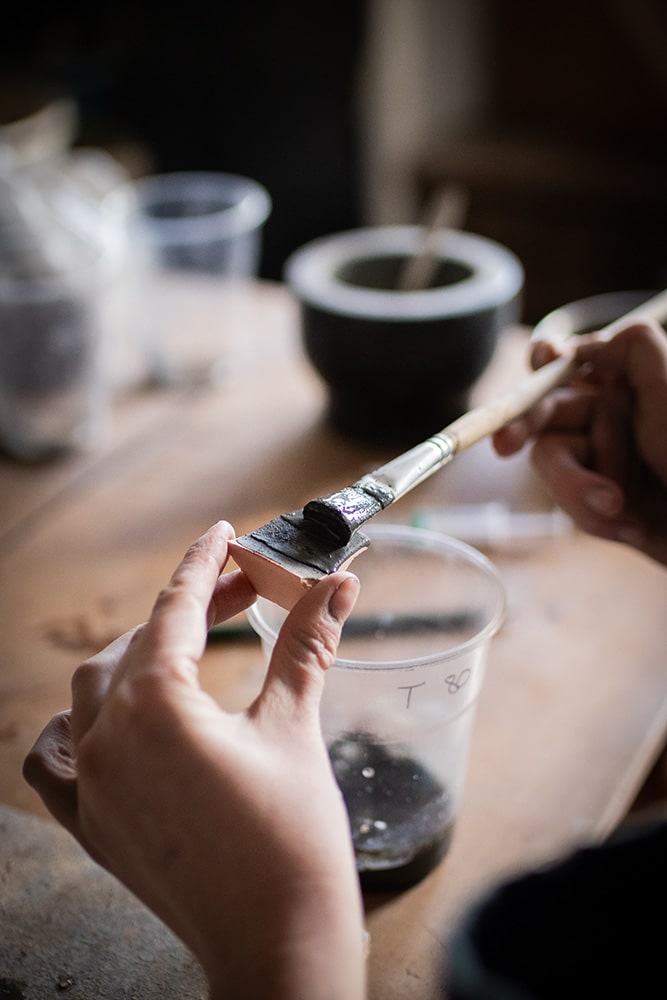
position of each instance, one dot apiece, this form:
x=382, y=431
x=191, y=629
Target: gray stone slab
x=68, y=929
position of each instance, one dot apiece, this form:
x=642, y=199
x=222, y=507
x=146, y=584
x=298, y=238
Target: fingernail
x=344, y=598
x=603, y=501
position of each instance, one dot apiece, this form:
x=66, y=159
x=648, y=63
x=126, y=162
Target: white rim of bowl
x=311, y=272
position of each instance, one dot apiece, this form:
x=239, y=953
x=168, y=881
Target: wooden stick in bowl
x=446, y=211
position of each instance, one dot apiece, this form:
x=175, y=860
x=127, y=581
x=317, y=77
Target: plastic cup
x=399, y=703
x=55, y=390
x=203, y=221
x=191, y=236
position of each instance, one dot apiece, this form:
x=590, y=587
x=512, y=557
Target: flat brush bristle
x=285, y=557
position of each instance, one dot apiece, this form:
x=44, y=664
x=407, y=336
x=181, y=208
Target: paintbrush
x=289, y=554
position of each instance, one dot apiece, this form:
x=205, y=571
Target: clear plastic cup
x=203, y=221
x=194, y=240
x=55, y=391
x=399, y=703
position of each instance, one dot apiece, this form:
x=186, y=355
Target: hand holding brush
x=289, y=554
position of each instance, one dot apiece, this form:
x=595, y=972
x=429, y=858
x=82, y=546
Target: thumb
x=305, y=649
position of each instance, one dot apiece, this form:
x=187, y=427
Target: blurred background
x=551, y=117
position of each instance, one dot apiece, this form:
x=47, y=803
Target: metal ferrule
x=403, y=473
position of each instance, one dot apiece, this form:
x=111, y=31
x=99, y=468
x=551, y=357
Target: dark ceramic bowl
x=399, y=365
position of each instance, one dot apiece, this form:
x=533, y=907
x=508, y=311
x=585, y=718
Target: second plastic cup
x=194, y=244
x=57, y=340
x=199, y=221
x=399, y=703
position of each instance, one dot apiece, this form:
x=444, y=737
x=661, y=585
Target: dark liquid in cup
x=400, y=816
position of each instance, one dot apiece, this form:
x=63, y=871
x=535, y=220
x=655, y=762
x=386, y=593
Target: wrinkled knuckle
x=317, y=647
x=177, y=591
x=166, y=595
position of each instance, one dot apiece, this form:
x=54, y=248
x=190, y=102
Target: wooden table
x=574, y=707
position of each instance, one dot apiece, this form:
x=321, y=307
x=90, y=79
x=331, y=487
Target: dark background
x=256, y=88
x=567, y=165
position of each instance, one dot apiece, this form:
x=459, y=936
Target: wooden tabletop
x=573, y=711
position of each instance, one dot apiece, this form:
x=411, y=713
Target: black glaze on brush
x=337, y=516
x=292, y=536
x=325, y=533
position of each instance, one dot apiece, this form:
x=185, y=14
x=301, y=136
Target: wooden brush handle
x=406, y=471
x=413, y=467
x=490, y=417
